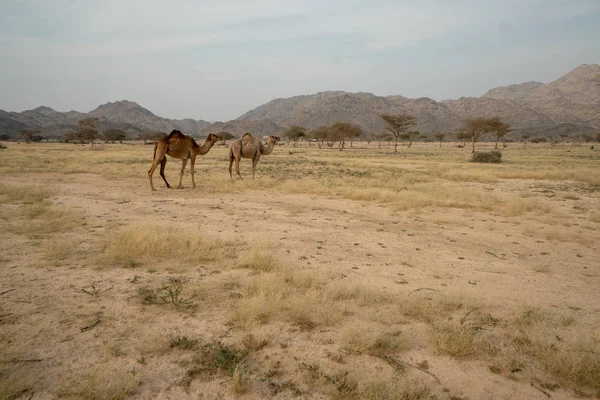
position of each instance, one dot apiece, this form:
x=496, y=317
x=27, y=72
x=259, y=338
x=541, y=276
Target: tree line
x=399, y=128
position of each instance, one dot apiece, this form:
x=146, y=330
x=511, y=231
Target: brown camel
x=178, y=145
x=249, y=147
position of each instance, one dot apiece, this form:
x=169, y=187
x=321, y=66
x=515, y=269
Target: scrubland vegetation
x=360, y=274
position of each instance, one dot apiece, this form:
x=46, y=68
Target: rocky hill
x=568, y=104
x=125, y=115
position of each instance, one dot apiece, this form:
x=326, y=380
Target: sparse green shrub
x=183, y=342
x=493, y=156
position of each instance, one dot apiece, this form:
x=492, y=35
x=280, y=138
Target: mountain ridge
x=571, y=101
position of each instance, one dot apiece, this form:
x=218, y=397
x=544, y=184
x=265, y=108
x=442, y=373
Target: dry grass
x=258, y=258
x=152, y=243
x=28, y=194
x=455, y=340
x=337, y=300
x=28, y=212
x=394, y=390
x=57, y=251
x=376, y=341
x=17, y=379
x=106, y=382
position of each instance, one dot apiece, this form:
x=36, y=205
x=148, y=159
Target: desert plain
x=355, y=274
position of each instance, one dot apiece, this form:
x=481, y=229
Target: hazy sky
x=215, y=60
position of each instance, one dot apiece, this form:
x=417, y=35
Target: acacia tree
x=320, y=135
x=440, y=137
x=382, y=136
x=28, y=134
x=113, y=135
x=340, y=131
x=151, y=137
x=477, y=127
x=294, y=133
x=87, y=130
x=397, y=125
x=563, y=137
x=354, y=134
x=225, y=136
x=409, y=137
x=462, y=136
x=500, y=129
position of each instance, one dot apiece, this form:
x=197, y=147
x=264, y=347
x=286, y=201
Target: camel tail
x=155, y=147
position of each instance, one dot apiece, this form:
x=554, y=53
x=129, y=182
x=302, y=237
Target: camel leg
x=237, y=167
x=254, y=162
x=230, y=164
x=183, y=163
x=158, y=158
x=163, y=163
x=192, y=170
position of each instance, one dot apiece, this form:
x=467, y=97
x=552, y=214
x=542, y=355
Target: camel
x=249, y=147
x=178, y=145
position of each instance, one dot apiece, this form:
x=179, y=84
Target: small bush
x=493, y=156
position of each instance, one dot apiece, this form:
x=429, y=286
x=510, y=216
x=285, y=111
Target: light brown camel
x=178, y=145
x=249, y=147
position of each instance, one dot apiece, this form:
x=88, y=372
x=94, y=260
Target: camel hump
x=247, y=134
x=175, y=134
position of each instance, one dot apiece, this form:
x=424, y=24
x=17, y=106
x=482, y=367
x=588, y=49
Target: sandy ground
x=478, y=255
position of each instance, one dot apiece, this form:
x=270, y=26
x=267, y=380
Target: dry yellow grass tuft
x=257, y=258
x=394, y=390
x=377, y=341
x=57, y=251
x=28, y=194
x=454, y=339
x=105, y=382
x=154, y=243
x=16, y=378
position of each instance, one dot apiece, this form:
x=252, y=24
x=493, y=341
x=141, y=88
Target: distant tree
x=538, y=140
x=525, y=139
x=588, y=138
x=151, y=137
x=368, y=137
x=563, y=137
x=383, y=137
x=354, y=134
x=87, y=131
x=225, y=136
x=28, y=134
x=477, y=127
x=294, y=133
x=499, y=129
x=5, y=138
x=319, y=134
x=598, y=137
x=409, y=137
x=341, y=131
x=440, y=137
x=113, y=135
x=397, y=125
x=462, y=136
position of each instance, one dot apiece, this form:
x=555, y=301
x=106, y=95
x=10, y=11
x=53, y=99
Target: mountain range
x=568, y=105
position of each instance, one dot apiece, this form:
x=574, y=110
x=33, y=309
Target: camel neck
x=268, y=149
x=206, y=146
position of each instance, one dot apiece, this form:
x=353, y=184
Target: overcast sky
x=215, y=60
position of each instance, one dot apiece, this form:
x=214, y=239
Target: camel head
x=212, y=138
x=273, y=139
